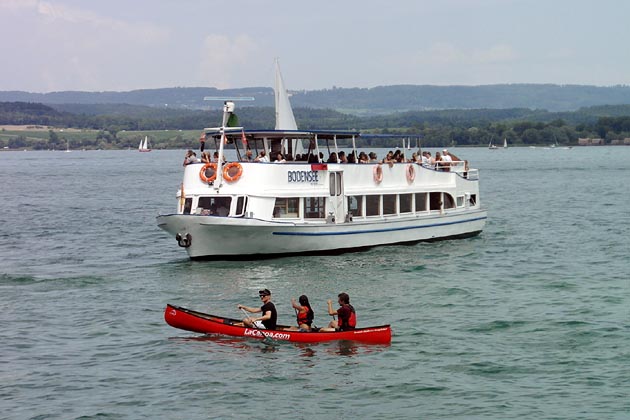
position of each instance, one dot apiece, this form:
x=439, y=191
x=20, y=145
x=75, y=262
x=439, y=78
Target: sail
x=140, y=145
x=505, y=143
x=284, y=113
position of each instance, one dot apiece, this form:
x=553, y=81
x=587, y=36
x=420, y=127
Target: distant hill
x=358, y=101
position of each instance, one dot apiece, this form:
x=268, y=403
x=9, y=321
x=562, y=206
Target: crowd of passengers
x=439, y=161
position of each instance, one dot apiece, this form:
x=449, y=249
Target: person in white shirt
x=262, y=157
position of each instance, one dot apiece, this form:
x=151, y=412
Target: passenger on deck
x=262, y=157
x=363, y=158
x=190, y=157
x=426, y=159
x=304, y=313
x=389, y=159
x=342, y=157
x=248, y=155
x=373, y=157
x=279, y=158
x=332, y=158
x=446, y=161
x=438, y=161
x=205, y=157
x=352, y=158
x=268, y=309
x=346, y=314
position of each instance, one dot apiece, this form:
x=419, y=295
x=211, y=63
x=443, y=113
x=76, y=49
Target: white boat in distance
x=144, y=145
x=250, y=209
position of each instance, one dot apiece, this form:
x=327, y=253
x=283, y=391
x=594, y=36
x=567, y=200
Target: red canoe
x=190, y=320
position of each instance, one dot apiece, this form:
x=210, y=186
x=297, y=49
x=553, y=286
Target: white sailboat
x=144, y=145
x=492, y=146
x=505, y=143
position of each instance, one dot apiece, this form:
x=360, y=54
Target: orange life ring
x=410, y=171
x=203, y=175
x=378, y=173
x=229, y=173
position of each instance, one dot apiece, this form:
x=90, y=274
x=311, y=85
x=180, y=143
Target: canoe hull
x=199, y=322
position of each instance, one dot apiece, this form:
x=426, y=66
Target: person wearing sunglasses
x=268, y=309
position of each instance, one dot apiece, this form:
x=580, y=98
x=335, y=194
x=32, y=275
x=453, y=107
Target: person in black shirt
x=268, y=309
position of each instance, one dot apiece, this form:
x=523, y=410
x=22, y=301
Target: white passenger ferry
x=246, y=209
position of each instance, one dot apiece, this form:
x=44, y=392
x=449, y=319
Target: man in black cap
x=268, y=310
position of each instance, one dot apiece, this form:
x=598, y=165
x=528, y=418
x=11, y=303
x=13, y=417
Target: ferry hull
x=243, y=238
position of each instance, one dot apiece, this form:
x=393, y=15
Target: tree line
x=122, y=126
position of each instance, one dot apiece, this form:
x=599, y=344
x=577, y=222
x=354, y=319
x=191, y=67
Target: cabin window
x=214, y=206
x=449, y=201
x=314, y=208
x=405, y=203
x=421, y=202
x=372, y=205
x=389, y=204
x=241, y=205
x=355, y=205
x=460, y=201
x=187, y=205
x=435, y=201
x=287, y=208
x=473, y=199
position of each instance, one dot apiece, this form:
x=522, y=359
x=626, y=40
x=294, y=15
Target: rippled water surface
x=531, y=319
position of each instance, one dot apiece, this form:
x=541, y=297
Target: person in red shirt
x=347, y=317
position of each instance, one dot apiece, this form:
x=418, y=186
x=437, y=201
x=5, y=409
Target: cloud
x=131, y=31
x=17, y=5
x=494, y=54
x=223, y=58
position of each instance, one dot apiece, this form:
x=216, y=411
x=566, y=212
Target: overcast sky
x=135, y=44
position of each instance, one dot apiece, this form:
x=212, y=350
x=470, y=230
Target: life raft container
x=208, y=172
x=378, y=173
x=410, y=172
x=232, y=171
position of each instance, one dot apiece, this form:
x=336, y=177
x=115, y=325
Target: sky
x=120, y=45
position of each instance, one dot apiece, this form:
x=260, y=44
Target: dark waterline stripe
x=356, y=232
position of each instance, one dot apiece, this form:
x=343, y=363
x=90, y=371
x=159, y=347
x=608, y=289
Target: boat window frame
x=400, y=203
x=287, y=214
x=391, y=210
x=243, y=208
x=321, y=201
x=423, y=208
x=378, y=205
x=448, y=201
x=360, y=208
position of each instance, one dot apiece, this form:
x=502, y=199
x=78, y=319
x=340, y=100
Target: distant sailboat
x=68, y=147
x=144, y=145
x=492, y=146
x=505, y=143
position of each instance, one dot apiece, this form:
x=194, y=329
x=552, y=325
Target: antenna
x=228, y=98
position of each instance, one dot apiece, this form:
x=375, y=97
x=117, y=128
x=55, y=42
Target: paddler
x=268, y=310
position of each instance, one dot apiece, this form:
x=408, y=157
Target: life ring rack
x=378, y=173
x=228, y=171
x=410, y=172
x=204, y=168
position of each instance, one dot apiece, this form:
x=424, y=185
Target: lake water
x=529, y=320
